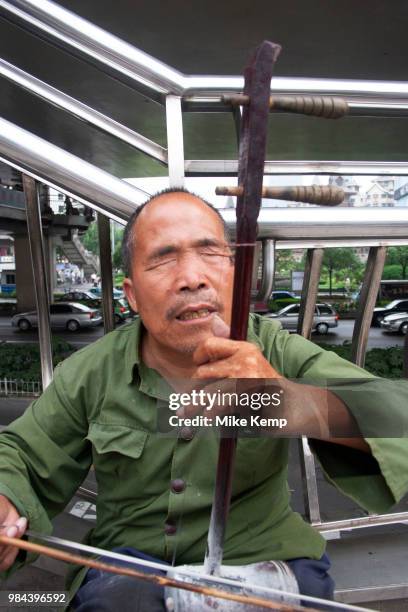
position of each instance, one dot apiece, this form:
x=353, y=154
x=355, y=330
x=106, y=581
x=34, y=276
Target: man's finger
x=220, y=370
x=213, y=349
x=8, y=560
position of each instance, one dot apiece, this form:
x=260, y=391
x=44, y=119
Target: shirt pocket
x=118, y=453
x=112, y=438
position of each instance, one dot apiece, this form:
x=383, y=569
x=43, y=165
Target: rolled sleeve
x=380, y=408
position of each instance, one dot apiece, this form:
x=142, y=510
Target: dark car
x=83, y=297
x=396, y=306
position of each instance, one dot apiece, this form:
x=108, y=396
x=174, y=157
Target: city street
x=343, y=332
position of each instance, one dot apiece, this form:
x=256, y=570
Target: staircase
x=76, y=253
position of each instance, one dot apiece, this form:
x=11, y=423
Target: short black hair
x=128, y=236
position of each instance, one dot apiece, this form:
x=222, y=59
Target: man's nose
x=190, y=275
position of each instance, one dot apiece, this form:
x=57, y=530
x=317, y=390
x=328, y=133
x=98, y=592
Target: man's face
x=182, y=273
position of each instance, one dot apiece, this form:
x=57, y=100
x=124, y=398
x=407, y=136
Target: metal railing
x=156, y=79
x=314, y=229
x=20, y=388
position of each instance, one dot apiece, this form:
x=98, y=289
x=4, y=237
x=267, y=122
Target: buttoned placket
x=179, y=490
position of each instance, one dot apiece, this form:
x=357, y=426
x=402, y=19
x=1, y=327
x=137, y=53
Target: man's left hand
x=222, y=358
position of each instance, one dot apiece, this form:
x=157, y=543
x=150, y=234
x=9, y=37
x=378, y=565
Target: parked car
x=121, y=308
x=70, y=316
x=397, y=322
x=98, y=292
x=83, y=297
x=325, y=317
x=262, y=307
x=396, y=306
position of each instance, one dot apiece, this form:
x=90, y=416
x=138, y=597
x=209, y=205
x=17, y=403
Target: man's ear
x=130, y=294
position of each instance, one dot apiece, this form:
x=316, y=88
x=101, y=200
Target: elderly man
x=155, y=492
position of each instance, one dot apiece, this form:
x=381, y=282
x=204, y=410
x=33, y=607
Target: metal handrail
x=156, y=79
x=230, y=167
x=118, y=199
x=81, y=111
x=68, y=173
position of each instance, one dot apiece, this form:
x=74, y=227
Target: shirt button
x=186, y=433
x=169, y=529
x=178, y=485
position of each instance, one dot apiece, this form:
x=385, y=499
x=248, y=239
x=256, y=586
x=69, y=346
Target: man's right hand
x=13, y=526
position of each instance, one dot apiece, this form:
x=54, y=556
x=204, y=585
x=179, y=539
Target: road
x=78, y=339
x=344, y=331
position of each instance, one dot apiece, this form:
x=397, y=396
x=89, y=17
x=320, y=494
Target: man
x=155, y=492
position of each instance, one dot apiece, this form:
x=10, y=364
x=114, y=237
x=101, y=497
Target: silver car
x=325, y=317
x=65, y=315
x=396, y=322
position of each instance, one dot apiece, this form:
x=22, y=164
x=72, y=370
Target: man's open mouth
x=200, y=313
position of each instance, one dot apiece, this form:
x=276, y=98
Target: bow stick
x=252, y=149
x=163, y=581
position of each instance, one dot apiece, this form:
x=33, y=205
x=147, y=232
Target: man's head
x=179, y=269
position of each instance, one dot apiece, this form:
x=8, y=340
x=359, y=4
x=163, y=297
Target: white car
x=65, y=315
x=396, y=322
x=325, y=317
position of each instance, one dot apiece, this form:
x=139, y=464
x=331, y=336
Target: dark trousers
x=105, y=592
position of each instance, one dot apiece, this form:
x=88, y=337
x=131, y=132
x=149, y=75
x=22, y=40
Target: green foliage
x=392, y=272
x=340, y=263
x=386, y=363
x=340, y=258
x=118, y=280
x=22, y=361
x=91, y=242
x=90, y=238
x=285, y=262
x=398, y=256
x=117, y=256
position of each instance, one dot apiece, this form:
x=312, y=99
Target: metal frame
x=155, y=79
x=105, y=257
x=81, y=111
x=175, y=141
x=368, y=298
x=35, y=236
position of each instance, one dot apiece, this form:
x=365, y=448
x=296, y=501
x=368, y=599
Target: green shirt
x=101, y=409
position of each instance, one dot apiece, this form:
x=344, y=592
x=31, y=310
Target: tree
x=285, y=261
x=340, y=258
x=398, y=255
x=117, y=256
x=90, y=238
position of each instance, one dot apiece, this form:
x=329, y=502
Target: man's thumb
x=220, y=328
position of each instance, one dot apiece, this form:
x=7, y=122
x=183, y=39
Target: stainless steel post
x=368, y=297
x=307, y=306
x=105, y=257
x=35, y=236
x=309, y=291
x=175, y=141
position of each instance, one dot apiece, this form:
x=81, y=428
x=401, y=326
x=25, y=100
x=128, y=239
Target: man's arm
x=44, y=456
x=377, y=406
x=309, y=410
